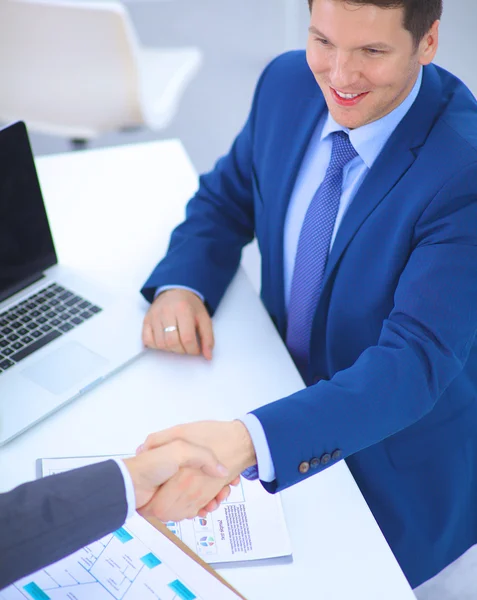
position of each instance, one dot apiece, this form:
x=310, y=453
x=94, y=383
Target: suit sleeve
x=205, y=250
x=45, y=520
x=424, y=345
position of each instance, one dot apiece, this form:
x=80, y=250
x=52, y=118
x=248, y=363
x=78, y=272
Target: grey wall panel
x=458, y=44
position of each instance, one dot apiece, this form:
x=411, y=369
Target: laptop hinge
x=21, y=285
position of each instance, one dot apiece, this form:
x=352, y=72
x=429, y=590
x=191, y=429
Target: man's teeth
x=347, y=96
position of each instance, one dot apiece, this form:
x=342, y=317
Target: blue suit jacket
x=393, y=370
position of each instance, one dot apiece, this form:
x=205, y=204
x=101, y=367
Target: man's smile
x=347, y=99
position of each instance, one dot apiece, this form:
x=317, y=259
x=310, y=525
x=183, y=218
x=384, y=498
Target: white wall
x=458, y=43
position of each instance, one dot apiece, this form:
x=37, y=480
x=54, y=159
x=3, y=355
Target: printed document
x=249, y=525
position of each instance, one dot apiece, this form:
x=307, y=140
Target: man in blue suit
x=357, y=172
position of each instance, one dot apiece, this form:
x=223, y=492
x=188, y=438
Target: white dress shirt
x=128, y=487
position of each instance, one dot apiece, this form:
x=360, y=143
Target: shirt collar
x=369, y=140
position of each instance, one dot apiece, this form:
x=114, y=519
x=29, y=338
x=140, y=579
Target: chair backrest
x=68, y=67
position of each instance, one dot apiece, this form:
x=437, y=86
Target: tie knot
x=343, y=150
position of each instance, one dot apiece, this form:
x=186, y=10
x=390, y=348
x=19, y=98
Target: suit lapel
x=395, y=159
x=297, y=132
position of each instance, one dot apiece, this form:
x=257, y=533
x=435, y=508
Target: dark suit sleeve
x=48, y=519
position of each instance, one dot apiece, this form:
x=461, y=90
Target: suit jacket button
x=304, y=467
x=315, y=463
x=337, y=454
x=325, y=459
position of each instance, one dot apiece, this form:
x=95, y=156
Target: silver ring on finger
x=170, y=329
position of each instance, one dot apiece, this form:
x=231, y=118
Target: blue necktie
x=312, y=252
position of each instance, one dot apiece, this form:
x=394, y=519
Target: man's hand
x=184, y=311
x=188, y=492
x=149, y=470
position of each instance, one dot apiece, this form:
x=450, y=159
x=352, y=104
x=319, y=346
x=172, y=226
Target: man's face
x=363, y=52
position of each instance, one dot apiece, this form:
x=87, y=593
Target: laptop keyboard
x=38, y=320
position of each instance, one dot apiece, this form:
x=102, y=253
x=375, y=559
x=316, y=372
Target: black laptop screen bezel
x=28, y=249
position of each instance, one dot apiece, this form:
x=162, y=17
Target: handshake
x=187, y=470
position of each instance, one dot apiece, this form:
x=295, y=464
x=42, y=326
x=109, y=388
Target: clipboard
x=159, y=525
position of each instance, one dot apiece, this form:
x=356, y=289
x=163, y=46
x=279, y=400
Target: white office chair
x=74, y=68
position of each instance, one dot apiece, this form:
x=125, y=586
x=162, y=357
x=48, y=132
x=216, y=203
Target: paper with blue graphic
x=135, y=562
x=249, y=525
x=138, y=562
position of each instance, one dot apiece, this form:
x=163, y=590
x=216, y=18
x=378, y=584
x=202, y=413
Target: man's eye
x=322, y=41
x=373, y=51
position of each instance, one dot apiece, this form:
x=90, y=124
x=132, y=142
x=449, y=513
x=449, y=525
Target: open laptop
x=59, y=334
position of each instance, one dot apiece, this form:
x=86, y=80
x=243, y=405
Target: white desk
x=111, y=212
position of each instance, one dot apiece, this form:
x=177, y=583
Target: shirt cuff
x=177, y=287
x=129, y=488
x=266, y=468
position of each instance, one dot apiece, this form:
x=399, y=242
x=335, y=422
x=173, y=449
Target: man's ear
x=429, y=44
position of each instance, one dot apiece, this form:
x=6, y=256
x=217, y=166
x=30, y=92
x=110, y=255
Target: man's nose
x=344, y=71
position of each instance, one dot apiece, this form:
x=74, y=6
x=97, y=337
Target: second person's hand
x=151, y=469
x=190, y=493
x=178, y=321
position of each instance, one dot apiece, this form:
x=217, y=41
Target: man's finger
x=213, y=505
x=223, y=495
x=147, y=336
x=171, y=333
x=206, y=334
x=158, y=335
x=198, y=457
x=185, y=454
x=159, y=438
x=182, y=496
x=216, y=502
x=188, y=333
x=154, y=320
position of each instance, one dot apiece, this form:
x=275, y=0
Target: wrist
x=141, y=493
x=246, y=451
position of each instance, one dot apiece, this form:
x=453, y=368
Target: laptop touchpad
x=64, y=368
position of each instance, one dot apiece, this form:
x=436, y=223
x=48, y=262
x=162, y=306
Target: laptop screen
x=26, y=245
